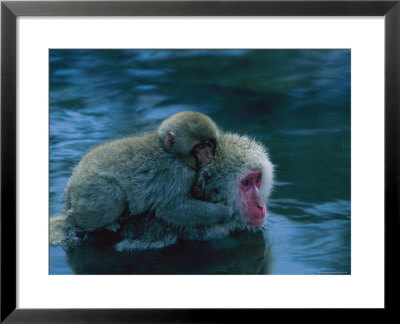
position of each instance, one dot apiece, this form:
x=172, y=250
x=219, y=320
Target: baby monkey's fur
x=143, y=173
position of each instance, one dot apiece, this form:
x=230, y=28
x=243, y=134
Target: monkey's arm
x=192, y=212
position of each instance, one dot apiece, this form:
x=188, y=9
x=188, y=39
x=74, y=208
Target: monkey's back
x=134, y=154
x=134, y=171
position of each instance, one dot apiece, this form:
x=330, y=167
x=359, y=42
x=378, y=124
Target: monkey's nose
x=260, y=203
x=207, y=159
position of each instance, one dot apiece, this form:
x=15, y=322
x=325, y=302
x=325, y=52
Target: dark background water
x=297, y=102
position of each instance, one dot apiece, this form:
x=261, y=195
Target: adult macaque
x=152, y=172
x=241, y=176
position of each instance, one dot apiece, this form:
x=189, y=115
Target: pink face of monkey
x=204, y=152
x=254, y=207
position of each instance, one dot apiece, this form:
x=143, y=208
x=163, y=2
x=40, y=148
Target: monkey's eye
x=210, y=143
x=200, y=146
x=246, y=183
x=257, y=178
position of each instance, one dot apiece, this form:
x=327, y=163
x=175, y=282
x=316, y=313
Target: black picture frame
x=10, y=10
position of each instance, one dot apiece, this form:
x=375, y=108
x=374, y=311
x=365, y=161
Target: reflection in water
x=241, y=253
x=296, y=102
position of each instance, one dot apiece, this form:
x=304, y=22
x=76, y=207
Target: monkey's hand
x=225, y=211
x=192, y=212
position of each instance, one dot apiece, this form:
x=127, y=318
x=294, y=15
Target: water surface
x=296, y=102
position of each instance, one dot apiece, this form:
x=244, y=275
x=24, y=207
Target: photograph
x=199, y=161
x=193, y=161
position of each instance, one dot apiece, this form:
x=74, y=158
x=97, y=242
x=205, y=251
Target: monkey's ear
x=169, y=140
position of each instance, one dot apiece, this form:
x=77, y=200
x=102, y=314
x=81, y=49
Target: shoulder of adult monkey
x=188, y=129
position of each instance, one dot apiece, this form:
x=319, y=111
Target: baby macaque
x=153, y=172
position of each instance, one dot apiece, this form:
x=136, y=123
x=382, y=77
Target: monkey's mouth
x=206, y=161
x=257, y=216
x=256, y=223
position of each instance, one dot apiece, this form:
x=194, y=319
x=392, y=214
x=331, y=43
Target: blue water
x=297, y=102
